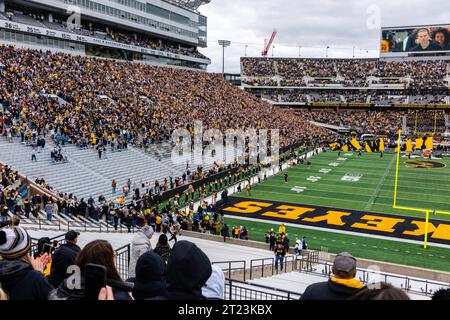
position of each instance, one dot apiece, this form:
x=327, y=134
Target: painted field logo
x=425, y=164
x=352, y=177
x=298, y=189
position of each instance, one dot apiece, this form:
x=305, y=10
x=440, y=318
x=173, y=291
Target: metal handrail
x=262, y=265
x=230, y=269
x=276, y=293
x=84, y=224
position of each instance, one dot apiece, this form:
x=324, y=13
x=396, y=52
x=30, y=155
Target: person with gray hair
x=341, y=286
x=139, y=245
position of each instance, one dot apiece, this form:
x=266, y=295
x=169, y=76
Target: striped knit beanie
x=14, y=243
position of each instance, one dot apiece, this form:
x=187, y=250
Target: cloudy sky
x=308, y=27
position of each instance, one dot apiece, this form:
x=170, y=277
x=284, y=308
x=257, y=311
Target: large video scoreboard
x=433, y=40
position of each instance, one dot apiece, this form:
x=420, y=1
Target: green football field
x=366, y=184
x=363, y=183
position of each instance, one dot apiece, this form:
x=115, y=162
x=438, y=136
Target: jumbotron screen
x=403, y=40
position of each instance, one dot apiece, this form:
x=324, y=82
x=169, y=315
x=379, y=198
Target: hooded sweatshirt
x=215, y=286
x=139, y=245
x=188, y=270
x=21, y=282
x=150, y=279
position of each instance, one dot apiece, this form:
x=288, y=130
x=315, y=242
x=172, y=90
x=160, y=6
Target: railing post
x=262, y=269
x=231, y=286
x=85, y=226
x=245, y=268
x=273, y=261
x=251, y=269
x=59, y=225
x=39, y=219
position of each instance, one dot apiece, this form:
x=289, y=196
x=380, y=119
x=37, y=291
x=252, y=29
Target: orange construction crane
x=267, y=45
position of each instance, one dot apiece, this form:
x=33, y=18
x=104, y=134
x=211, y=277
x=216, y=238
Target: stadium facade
x=154, y=31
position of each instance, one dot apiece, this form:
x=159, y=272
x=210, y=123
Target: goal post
x=406, y=208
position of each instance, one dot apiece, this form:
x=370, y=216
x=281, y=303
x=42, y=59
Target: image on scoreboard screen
x=415, y=39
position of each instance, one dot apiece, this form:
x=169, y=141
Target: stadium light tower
x=224, y=44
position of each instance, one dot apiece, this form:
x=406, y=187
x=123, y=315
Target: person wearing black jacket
x=64, y=257
x=424, y=42
x=150, y=279
x=18, y=278
x=272, y=240
x=280, y=252
x=188, y=269
x=225, y=232
x=341, y=286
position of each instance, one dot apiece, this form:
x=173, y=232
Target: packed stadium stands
x=84, y=82
x=385, y=82
x=89, y=136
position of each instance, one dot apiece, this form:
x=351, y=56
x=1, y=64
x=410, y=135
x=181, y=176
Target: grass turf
x=420, y=188
x=374, y=192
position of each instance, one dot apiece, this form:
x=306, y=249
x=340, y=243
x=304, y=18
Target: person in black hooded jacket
x=188, y=270
x=150, y=279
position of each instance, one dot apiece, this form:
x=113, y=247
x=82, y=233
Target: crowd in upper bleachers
x=348, y=72
x=101, y=32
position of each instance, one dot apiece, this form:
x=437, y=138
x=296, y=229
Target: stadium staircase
x=84, y=175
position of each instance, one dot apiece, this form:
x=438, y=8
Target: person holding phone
x=95, y=260
x=21, y=277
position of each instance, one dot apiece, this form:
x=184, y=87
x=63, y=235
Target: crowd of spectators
x=174, y=99
x=350, y=72
x=368, y=121
x=98, y=31
x=426, y=120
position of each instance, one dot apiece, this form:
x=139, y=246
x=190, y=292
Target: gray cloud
x=341, y=24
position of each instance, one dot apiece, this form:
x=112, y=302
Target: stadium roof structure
x=189, y=4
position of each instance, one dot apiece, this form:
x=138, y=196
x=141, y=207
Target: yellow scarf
x=352, y=283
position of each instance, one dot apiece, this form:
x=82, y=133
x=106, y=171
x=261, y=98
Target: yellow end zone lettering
x=421, y=228
x=378, y=223
x=248, y=207
x=442, y=232
x=332, y=217
x=288, y=212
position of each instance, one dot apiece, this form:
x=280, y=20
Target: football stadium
x=133, y=167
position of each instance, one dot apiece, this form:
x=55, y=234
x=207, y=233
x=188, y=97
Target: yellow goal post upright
x=405, y=208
